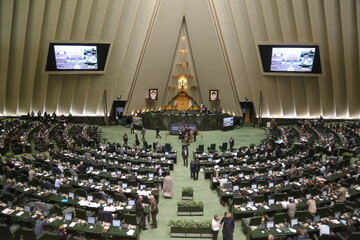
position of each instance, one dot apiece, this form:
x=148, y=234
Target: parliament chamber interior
x=173, y=119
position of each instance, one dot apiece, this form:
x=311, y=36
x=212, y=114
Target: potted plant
x=190, y=207
x=190, y=228
x=187, y=193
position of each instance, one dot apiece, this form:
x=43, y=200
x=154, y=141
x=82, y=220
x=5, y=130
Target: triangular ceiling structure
x=182, y=77
x=155, y=66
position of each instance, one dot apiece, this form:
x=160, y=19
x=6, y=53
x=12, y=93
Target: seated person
x=302, y=235
x=61, y=232
x=323, y=228
x=39, y=226
x=348, y=229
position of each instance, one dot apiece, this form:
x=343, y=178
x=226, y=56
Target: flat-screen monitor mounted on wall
x=228, y=122
x=290, y=59
x=77, y=57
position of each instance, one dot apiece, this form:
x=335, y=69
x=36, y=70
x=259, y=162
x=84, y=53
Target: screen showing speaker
x=290, y=59
x=228, y=122
x=77, y=57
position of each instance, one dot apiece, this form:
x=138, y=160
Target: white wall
x=144, y=34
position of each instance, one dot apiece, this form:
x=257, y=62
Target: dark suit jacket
x=39, y=227
x=139, y=209
x=82, y=169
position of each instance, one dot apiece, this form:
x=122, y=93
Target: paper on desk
x=130, y=232
x=243, y=209
x=19, y=213
x=72, y=224
x=253, y=208
x=278, y=230
x=292, y=230
x=266, y=207
x=311, y=227
x=7, y=211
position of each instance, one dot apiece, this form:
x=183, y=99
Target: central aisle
x=181, y=175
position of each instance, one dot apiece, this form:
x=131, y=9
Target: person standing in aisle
x=125, y=137
x=215, y=226
x=153, y=210
x=157, y=132
x=192, y=169
x=228, y=226
x=197, y=169
x=185, y=155
x=140, y=214
x=143, y=134
x=231, y=143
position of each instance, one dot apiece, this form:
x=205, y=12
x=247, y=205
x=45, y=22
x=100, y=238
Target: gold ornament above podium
x=182, y=92
x=182, y=101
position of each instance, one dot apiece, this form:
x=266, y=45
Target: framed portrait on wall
x=153, y=94
x=214, y=95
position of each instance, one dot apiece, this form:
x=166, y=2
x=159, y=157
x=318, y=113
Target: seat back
x=255, y=221
x=130, y=219
x=354, y=236
x=80, y=213
x=200, y=148
x=259, y=198
x=324, y=212
x=118, y=197
x=133, y=183
x=281, y=218
x=339, y=207
x=105, y=216
x=302, y=216
x=28, y=233
x=80, y=192
x=5, y=232
x=48, y=236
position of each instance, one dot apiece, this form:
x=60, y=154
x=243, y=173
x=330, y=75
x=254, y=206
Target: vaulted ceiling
x=143, y=33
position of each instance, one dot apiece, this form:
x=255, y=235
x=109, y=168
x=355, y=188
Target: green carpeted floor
x=181, y=175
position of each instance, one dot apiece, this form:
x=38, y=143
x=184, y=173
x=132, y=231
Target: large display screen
x=293, y=59
x=76, y=57
x=79, y=57
x=228, y=122
x=137, y=121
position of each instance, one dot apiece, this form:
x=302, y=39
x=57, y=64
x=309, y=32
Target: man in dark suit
x=185, y=155
x=61, y=232
x=139, y=211
x=82, y=168
x=231, y=143
x=228, y=225
x=197, y=169
x=157, y=132
x=143, y=134
x=153, y=210
x=39, y=226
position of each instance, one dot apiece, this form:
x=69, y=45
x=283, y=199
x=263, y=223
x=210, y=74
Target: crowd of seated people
x=47, y=116
x=86, y=173
x=286, y=177
x=103, y=180
x=204, y=111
